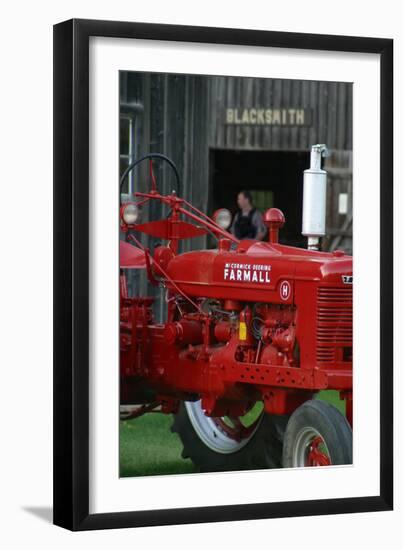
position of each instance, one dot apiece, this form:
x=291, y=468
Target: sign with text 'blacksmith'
x=268, y=117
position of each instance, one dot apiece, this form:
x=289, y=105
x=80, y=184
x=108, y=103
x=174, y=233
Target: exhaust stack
x=314, y=200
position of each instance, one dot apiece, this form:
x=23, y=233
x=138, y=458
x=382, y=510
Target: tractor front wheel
x=317, y=434
x=227, y=443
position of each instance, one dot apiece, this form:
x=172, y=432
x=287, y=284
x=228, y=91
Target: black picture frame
x=71, y=274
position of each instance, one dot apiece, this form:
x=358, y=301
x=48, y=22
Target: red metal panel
x=131, y=257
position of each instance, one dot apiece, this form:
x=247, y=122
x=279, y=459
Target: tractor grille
x=334, y=329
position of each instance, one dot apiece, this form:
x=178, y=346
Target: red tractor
x=253, y=331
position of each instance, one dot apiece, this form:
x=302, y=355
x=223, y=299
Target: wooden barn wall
x=184, y=116
x=339, y=226
x=174, y=122
x=330, y=104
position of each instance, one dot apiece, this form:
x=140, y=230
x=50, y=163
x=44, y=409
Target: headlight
x=130, y=213
x=223, y=218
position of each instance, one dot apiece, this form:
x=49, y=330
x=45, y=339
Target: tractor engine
x=261, y=333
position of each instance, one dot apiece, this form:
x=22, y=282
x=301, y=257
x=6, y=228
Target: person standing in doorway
x=248, y=221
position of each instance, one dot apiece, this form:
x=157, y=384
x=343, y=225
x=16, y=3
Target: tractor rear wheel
x=317, y=434
x=224, y=444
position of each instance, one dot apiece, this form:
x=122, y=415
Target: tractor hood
x=256, y=267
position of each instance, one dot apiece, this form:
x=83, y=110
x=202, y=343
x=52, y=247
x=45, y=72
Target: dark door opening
x=274, y=178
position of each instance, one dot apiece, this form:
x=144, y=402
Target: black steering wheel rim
x=151, y=156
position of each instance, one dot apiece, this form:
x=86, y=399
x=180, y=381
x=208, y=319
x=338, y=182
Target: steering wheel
x=152, y=156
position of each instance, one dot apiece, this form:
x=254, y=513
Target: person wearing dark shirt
x=248, y=221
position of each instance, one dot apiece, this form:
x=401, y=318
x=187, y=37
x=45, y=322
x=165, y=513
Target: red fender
x=131, y=257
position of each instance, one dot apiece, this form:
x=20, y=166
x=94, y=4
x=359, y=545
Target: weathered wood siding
x=174, y=122
x=329, y=103
x=184, y=116
x=339, y=227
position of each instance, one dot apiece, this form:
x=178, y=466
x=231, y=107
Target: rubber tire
x=329, y=422
x=263, y=450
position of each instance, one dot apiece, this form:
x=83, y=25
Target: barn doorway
x=273, y=177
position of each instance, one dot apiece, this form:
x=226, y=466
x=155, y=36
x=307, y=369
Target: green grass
x=332, y=397
x=148, y=447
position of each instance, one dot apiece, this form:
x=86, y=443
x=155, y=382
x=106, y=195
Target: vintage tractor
x=253, y=331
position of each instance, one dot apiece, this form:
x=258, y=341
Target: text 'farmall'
x=253, y=273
